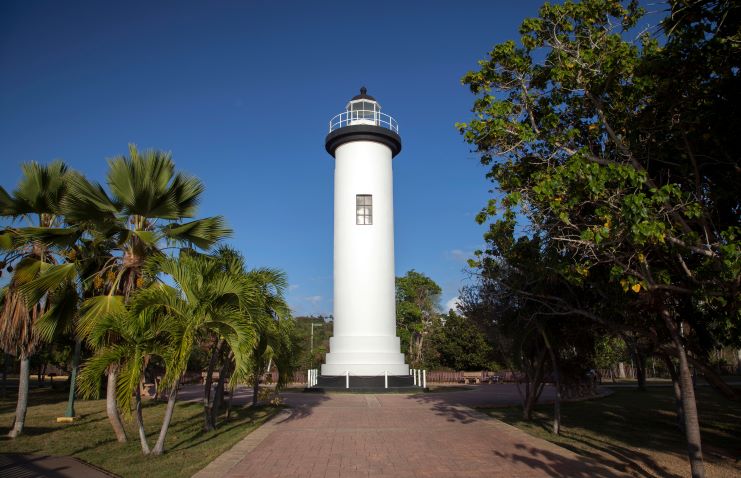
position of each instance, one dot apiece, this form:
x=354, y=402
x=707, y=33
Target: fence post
x=424, y=378
x=386, y=379
x=347, y=379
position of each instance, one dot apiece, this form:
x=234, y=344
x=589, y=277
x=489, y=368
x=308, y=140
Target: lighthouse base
x=374, y=384
x=364, y=356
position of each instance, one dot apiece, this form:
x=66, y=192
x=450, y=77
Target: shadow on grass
x=554, y=464
x=636, y=431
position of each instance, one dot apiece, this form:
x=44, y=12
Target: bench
x=472, y=377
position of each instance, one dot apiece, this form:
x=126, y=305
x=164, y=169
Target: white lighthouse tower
x=363, y=142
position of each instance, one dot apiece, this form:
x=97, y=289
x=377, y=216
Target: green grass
x=91, y=438
x=637, y=431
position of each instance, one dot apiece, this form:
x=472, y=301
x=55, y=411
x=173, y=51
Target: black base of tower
x=361, y=384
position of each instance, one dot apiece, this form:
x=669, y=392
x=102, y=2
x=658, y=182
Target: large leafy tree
x=458, y=344
x=620, y=152
x=145, y=212
x=30, y=250
x=417, y=309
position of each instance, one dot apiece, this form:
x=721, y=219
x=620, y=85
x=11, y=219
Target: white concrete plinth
x=364, y=355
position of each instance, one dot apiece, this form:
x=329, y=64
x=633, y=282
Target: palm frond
x=203, y=233
x=50, y=278
x=95, y=310
x=88, y=202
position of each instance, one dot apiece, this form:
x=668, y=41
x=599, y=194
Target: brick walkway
x=346, y=435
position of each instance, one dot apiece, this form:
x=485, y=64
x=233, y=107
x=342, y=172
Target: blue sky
x=241, y=94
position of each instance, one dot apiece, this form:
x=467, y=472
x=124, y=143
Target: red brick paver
x=347, y=435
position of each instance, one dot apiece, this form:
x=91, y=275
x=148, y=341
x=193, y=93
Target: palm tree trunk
x=111, y=406
x=207, y=384
x=6, y=360
x=689, y=405
x=73, y=380
x=219, y=395
x=159, y=447
x=140, y=422
x=255, y=388
x=22, y=404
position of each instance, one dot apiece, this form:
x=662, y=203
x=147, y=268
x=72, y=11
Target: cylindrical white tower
x=363, y=142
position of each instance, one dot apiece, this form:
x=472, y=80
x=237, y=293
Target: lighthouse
x=363, y=142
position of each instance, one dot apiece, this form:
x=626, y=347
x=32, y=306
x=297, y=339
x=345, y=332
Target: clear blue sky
x=241, y=94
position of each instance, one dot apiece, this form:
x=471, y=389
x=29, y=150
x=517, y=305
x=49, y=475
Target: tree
x=595, y=138
x=458, y=344
x=29, y=252
x=417, y=306
x=144, y=214
x=274, y=345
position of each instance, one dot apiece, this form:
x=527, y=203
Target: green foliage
x=619, y=152
x=458, y=344
x=417, y=308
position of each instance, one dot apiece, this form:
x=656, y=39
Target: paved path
x=33, y=466
x=388, y=435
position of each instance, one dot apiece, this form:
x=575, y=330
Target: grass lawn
x=91, y=438
x=637, y=431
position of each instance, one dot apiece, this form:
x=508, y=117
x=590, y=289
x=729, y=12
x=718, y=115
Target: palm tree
x=64, y=286
x=169, y=322
x=140, y=336
x=143, y=214
x=30, y=251
x=274, y=344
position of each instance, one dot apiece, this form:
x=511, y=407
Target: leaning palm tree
x=141, y=336
x=144, y=214
x=29, y=251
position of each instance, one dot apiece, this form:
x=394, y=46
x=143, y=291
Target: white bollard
x=424, y=378
x=414, y=376
x=308, y=378
x=386, y=379
x=347, y=379
x=419, y=378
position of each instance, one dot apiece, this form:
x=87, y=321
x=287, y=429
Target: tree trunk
x=208, y=383
x=111, y=407
x=6, y=360
x=533, y=393
x=640, y=360
x=73, y=380
x=159, y=447
x=677, y=392
x=557, y=380
x=255, y=388
x=714, y=379
x=22, y=404
x=219, y=395
x=140, y=422
x=689, y=405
